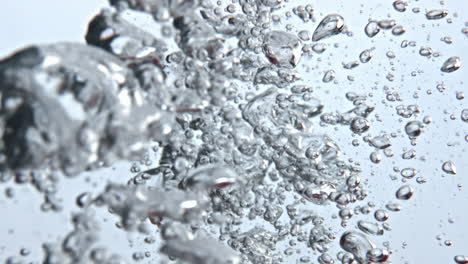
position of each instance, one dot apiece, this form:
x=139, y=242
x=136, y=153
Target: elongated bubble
x=436, y=14
x=330, y=25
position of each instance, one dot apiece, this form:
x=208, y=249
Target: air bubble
x=436, y=14
x=366, y=55
x=356, y=244
x=398, y=30
x=375, y=157
x=370, y=228
x=381, y=215
x=414, y=129
x=405, y=192
x=282, y=49
x=372, y=29
x=400, y=5
x=378, y=255
x=360, y=125
x=330, y=25
x=451, y=64
x=464, y=115
x=408, y=173
x=460, y=259
x=329, y=76
x=386, y=23
x=449, y=167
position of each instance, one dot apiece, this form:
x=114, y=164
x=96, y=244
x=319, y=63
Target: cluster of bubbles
x=240, y=162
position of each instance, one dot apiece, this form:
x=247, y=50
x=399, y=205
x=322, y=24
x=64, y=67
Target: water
x=68, y=95
x=252, y=140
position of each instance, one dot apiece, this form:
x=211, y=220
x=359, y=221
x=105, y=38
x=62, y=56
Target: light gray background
x=24, y=22
x=423, y=218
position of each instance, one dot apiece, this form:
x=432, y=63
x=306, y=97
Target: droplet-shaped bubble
x=283, y=49
x=436, y=14
x=405, y=192
x=372, y=29
x=330, y=25
x=451, y=64
x=449, y=167
x=413, y=129
x=357, y=244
